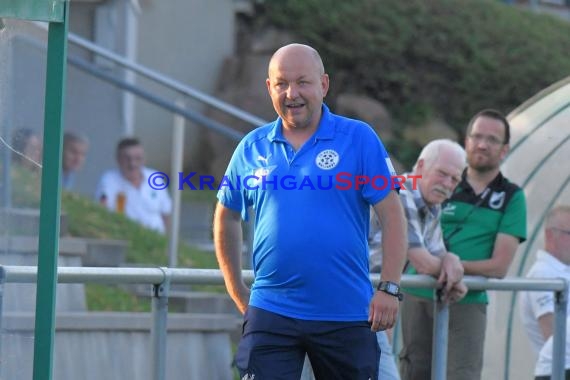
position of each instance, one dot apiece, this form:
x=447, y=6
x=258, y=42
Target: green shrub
x=421, y=58
x=146, y=248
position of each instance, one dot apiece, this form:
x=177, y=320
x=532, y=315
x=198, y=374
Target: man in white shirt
x=543, y=367
x=537, y=308
x=126, y=189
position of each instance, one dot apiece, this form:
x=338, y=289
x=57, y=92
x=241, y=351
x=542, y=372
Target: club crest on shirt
x=327, y=159
x=497, y=199
x=449, y=209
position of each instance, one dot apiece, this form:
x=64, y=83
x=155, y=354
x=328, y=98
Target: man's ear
x=325, y=84
x=420, y=166
x=504, y=151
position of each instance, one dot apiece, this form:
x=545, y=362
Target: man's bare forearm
x=394, y=237
x=424, y=262
x=228, y=242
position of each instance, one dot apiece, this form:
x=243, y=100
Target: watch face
x=392, y=288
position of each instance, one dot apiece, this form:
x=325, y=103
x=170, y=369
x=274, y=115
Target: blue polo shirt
x=310, y=253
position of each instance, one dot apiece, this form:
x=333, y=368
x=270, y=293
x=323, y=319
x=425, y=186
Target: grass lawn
x=146, y=249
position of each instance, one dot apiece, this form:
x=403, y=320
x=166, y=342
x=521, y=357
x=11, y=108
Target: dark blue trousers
x=273, y=347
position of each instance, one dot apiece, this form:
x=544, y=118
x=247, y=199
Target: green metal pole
x=50, y=199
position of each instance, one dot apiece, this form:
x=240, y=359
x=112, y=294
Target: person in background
x=26, y=168
x=543, y=367
x=311, y=293
x=27, y=145
x=483, y=223
x=537, y=308
x=75, y=147
x=437, y=171
x=126, y=189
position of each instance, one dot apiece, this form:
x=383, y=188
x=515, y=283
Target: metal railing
x=162, y=278
x=172, y=106
x=163, y=79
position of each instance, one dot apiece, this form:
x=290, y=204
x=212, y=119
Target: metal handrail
x=171, y=106
x=162, y=278
x=124, y=275
x=163, y=79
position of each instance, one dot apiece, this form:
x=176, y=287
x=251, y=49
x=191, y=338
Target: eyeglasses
x=490, y=140
x=565, y=232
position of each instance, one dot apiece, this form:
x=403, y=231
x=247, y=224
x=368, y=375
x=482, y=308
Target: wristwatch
x=390, y=288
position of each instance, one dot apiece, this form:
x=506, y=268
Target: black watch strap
x=390, y=288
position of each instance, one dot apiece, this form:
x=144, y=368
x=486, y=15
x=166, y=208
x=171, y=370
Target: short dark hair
x=70, y=137
x=127, y=142
x=493, y=114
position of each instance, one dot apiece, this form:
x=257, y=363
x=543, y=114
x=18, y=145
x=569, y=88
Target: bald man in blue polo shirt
x=310, y=176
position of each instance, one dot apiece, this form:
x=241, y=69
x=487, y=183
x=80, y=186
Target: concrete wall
x=187, y=40
x=95, y=345
x=23, y=250
x=92, y=107
x=117, y=346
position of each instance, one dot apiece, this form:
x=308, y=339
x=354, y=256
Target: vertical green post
x=50, y=198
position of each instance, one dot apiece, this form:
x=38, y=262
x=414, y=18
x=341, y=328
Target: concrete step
x=196, y=222
x=105, y=252
x=188, y=301
x=206, y=302
x=26, y=222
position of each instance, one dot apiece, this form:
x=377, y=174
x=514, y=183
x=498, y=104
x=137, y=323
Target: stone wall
x=95, y=345
x=117, y=346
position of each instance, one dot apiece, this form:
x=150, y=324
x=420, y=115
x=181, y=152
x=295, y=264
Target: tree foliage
x=424, y=58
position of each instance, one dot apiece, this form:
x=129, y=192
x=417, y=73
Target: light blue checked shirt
x=424, y=229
